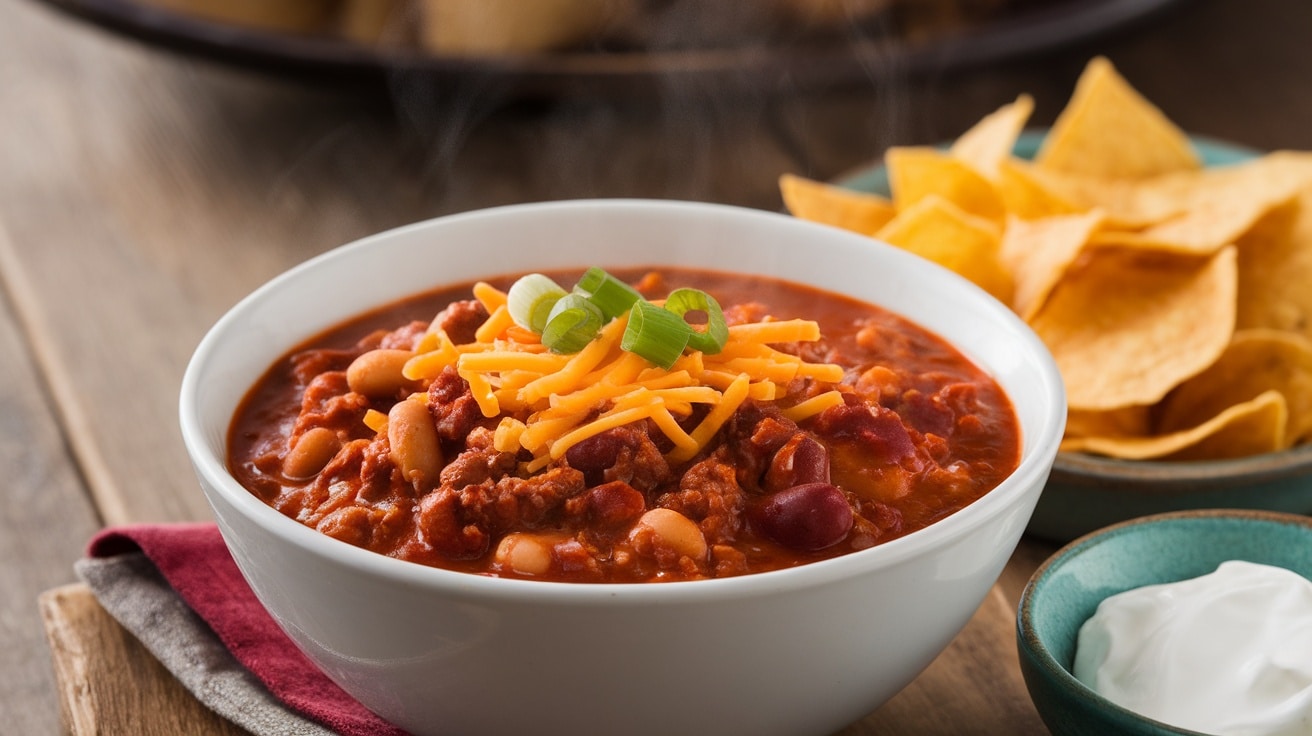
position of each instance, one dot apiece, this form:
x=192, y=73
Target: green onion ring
x=530, y=300
x=611, y=295
x=712, y=340
x=573, y=322
x=656, y=334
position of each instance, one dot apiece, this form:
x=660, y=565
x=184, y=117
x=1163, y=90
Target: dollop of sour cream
x=1225, y=653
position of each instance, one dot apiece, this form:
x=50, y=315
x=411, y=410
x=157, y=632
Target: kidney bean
x=615, y=503
x=597, y=452
x=801, y=460
x=810, y=516
x=878, y=428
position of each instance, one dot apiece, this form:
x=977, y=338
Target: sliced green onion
x=712, y=340
x=655, y=333
x=572, y=324
x=611, y=295
x=569, y=321
x=530, y=300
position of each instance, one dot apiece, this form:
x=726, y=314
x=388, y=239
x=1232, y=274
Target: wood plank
x=108, y=681
x=975, y=681
x=42, y=493
x=1029, y=554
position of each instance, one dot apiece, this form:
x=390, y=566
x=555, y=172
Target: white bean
x=311, y=453
x=377, y=373
x=413, y=437
x=676, y=531
x=526, y=554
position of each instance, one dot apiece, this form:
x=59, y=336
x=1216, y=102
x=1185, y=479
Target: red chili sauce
x=921, y=434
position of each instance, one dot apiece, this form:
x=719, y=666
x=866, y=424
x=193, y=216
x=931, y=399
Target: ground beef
x=626, y=454
x=453, y=406
x=709, y=494
x=752, y=436
x=461, y=319
x=307, y=364
x=329, y=402
x=403, y=338
x=478, y=463
x=608, y=506
x=460, y=521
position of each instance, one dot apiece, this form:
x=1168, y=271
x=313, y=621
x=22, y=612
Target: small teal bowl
x=1066, y=590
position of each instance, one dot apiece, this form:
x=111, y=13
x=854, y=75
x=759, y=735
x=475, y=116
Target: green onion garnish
x=572, y=324
x=530, y=300
x=656, y=334
x=712, y=340
x=612, y=296
x=567, y=322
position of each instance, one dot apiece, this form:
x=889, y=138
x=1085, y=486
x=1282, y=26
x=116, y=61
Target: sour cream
x=1227, y=653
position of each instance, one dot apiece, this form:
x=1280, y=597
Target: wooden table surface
x=143, y=193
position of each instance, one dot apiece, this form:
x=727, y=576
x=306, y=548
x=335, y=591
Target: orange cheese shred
x=495, y=325
x=489, y=296
x=814, y=405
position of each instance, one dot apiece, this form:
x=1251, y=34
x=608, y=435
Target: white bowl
x=803, y=650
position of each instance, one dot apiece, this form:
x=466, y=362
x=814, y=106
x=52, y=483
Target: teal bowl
x=1066, y=590
x=1087, y=492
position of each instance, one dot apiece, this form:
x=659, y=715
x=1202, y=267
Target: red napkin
x=193, y=558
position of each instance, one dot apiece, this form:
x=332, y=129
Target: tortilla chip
x=1222, y=215
x=1193, y=211
x=1251, y=428
x=1203, y=230
x=1176, y=299
x=1027, y=195
x=1130, y=240
x=1126, y=326
x=1275, y=261
x=1038, y=252
x=1254, y=362
x=831, y=205
x=1024, y=187
x=990, y=142
x=938, y=230
x=916, y=172
x=1109, y=130
x=1127, y=421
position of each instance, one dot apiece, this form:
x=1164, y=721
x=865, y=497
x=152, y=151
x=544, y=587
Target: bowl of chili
x=503, y=526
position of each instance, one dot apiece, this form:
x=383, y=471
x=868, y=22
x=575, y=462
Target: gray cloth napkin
x=132, y=590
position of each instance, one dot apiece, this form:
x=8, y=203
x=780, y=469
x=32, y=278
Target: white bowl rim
x=923, y=541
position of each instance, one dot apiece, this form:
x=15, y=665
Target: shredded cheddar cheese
x=498, y=323
x=489, y=296
x=375, y=420
x=814, y=405
x=570, y=398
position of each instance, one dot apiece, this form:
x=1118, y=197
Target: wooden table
x=142, y=193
